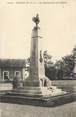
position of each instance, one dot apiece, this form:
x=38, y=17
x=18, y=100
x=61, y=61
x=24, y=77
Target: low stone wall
x=68, y=85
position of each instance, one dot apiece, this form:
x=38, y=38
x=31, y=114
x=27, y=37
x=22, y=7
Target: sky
x=57, y=26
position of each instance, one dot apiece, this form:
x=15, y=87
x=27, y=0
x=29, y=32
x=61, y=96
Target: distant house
x=10, y=67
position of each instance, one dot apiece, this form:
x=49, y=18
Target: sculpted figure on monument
x=41, y=59
x=36, y=20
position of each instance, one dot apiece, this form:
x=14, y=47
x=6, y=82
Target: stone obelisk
x=36, y=78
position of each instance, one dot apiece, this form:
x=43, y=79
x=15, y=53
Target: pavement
x=19, y=110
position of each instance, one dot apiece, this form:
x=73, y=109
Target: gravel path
x=15, y=110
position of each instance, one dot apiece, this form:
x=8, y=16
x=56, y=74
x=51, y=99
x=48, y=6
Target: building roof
x=12, y=63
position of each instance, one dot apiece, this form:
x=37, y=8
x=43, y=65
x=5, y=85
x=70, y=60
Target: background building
x=10, y=67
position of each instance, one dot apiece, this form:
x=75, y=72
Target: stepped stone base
x=37, y=92
x=51, y=101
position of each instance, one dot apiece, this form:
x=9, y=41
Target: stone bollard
x=17, y=83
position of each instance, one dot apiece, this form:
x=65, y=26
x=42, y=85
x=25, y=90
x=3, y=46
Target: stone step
x=16, y=94
x=26, y=92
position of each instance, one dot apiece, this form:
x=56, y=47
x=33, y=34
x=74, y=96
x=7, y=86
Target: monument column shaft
x=34, y=55
x=34, y=76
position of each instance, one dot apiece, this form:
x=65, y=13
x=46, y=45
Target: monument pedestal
x=37, y=92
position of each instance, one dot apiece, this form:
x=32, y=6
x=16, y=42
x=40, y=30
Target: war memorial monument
x=37, y=86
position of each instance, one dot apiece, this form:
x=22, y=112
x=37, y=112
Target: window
x=6, y=75
x=17, y=73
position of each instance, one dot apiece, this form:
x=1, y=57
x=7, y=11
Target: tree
x=74, y=52
x=59, y=69
x=68, y=65
x=65, y=67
